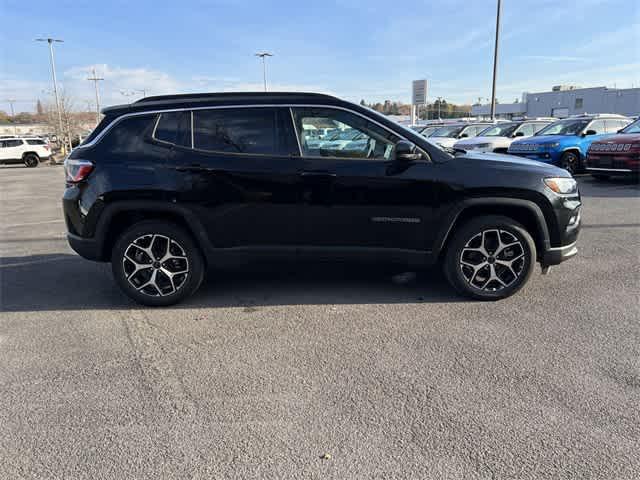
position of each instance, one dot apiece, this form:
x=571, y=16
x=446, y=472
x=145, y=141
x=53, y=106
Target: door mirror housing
x=406, y=151
x=590, y=132
x=463, y=135
x=519, y=134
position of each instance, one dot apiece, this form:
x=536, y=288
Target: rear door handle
x=318, y=174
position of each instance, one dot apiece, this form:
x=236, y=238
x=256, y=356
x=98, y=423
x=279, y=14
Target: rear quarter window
x=36, y=142
x=128, y=136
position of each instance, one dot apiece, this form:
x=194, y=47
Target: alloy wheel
x=492, y=260
x=155, y=265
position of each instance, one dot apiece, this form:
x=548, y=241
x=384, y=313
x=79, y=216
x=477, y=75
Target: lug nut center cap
x=491, y=259
x=156, y=265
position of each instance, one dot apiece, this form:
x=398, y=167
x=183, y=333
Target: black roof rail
x=222, y=95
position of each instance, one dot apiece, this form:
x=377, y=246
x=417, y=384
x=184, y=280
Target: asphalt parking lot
x=317, y=371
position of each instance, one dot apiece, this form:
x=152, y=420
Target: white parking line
x=33, y=223
x=34, y=262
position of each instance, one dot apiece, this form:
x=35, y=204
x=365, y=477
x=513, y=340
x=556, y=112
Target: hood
x=476, y=140
x=621, y=138
x=543, y=139
x=500, y=160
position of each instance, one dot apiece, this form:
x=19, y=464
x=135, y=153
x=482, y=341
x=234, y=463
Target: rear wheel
x=490, y=258
x=31, y=160
x=157, y=263
x=570, y=161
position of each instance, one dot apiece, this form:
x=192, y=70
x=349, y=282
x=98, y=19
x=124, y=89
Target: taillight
x=77, y=170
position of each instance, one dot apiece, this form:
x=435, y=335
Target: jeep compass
x=170, y=187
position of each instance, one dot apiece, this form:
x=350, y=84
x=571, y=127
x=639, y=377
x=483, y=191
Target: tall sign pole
x=495, y=63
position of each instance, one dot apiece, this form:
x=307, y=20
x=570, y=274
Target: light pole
x=264, y=66
x=50, y=41
x=13, y=114
x=95, y=80
x=439, y=103
x=495, y=63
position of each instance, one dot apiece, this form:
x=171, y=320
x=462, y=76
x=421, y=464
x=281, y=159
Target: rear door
x=240, y=176
x=11, y=149
x=357, y=195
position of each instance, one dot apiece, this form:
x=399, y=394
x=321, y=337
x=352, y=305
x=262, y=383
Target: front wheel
x=570, y=161
x=157, y=263
x=490, y=258
x=31, y=160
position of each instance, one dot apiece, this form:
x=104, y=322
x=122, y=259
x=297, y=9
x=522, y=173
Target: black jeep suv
x=169, y=186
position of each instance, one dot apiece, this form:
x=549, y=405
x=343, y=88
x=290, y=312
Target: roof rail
x=221, y=95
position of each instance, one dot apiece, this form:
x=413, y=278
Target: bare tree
x=71, y=126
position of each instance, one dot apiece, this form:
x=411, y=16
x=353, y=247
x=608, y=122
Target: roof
x=191, y=100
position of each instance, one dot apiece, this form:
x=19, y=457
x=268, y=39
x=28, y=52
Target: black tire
x=161, y=239
x=600, y=177
x=31, y=160
x=570, y=161
x=509, y=279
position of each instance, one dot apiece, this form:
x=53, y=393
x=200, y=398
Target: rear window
x=174, y=128
x=128, y=135
x=245, y=130
x=106, y=120
x=36, y=142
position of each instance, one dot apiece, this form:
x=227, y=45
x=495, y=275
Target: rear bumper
x=555, y=256
x=88, y=248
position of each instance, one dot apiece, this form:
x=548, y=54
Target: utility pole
x=264, y=66
x=95, y=81
x=51, y=41
x=13, y=114
x=495, y=63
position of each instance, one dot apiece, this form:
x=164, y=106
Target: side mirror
x=590, y=132
x=620, y=131
x=406, y=152
x=519, y=134
x=464, y=135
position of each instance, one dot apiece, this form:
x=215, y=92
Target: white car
x=448, y=135
x=24, y=150
x=497, y=138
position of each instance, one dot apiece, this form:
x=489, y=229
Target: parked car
x=565, y=143
x=448, y=135
x=497, y=138
x=616, y=155
x=28, y=150
x=170, y=186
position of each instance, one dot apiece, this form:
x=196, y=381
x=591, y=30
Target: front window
x=451, y=131
x=564, y=127
x=502, y=130
x=633, y=128
x=355, y=137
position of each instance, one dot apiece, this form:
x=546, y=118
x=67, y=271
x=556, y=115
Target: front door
x=355, y=193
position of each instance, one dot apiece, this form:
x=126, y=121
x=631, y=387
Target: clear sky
x=367, y=49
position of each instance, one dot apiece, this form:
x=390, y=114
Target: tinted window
x=243, y=130
x=12, y=143
x=128, y=135
x=36, y=142
x=174, y=127
x=352, y=136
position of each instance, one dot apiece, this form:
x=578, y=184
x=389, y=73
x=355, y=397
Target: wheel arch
x=524, y=212
x=117, y=217
x=30, y=152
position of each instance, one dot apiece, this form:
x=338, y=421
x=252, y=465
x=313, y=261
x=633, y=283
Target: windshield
x=564, y=127
x=633, y=128
x=428, y=131
x=449, y=131
x=502, y=130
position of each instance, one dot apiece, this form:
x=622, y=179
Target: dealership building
x=566, y=100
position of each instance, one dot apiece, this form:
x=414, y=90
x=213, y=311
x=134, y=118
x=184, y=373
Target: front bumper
x=555, y=256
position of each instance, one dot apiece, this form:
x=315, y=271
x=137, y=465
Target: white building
x=24, y=129
x=563, y=101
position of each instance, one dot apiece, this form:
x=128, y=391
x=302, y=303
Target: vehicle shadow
x=615, y=187
x=68, y=282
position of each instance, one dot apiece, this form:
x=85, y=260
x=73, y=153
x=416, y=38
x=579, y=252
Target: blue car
x=565, y=143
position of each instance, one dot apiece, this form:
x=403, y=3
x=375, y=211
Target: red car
x=616, y=155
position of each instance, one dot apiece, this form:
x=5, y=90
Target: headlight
x=561, y=185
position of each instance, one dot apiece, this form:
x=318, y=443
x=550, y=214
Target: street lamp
x=495, y=63
x=264, y=66
x=51, y=41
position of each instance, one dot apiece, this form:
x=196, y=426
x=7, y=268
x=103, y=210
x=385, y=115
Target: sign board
x=419, y=93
